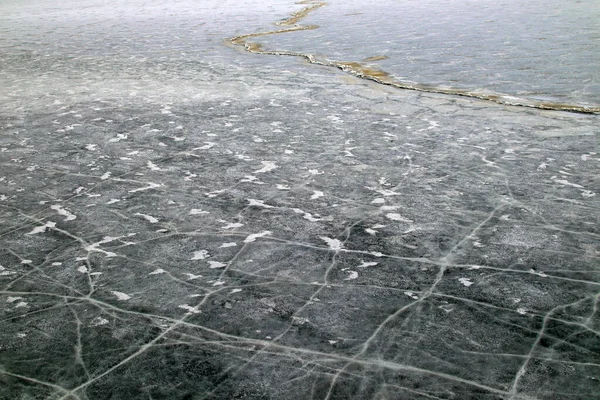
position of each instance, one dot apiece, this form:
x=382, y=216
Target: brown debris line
x=360, y=70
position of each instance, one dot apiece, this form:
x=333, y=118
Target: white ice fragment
x=91, y=147
x=191, y=277
x=113, y=201
x=267, y=166
x=61, y=211
x=21, y=304
x=465, y=281
x=288, y=151
x=83, y=269
x=334, y=244
x=371, y=231
x=105, y=176
x=283, y=187
x=40, y=229
x=121, y=296
x=26, y=261
x=317, y=194
x=229, y=244
x=235, y=290
x=219, y=283
x=200, y=255
x=315, y=172
x=378, y=200
x=148, y=218
x=251, y=238
x=522, y=310
x=216, y=264
x=157, y=271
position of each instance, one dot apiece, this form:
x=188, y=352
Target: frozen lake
x=183, y=219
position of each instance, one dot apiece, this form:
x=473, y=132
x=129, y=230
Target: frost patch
x=216, y=264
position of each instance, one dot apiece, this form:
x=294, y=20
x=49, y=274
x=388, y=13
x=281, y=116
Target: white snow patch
x=465, y=281
x=200, y=255
x=251, y=238
x=267, y=166
x=229, y=244
x=151, y=185
x=148, y=218
x=40, y=229
x=83, y=269
x=352, y=275
x=216, y=264
x=317, y=194
x=13, y=299
x=192, y=310
x=233, y=225
x=197, y=211
x=152, y=166
x=157, y=271
x=367, y=264
x=397, y=217
x=334, y=244
x=98, y=321
x=411, y=295
x=121, y=296
x=258, y=203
